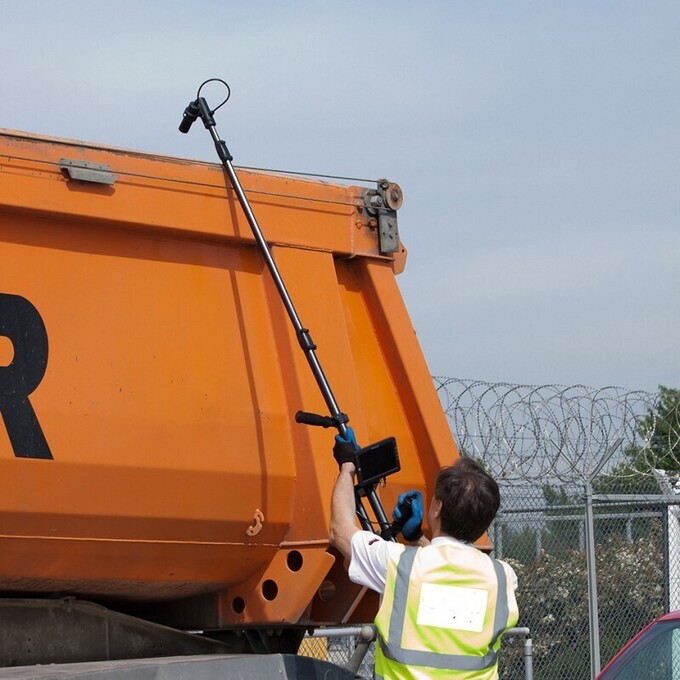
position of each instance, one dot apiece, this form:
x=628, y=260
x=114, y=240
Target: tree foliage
x=659, y=433
x=660, y=428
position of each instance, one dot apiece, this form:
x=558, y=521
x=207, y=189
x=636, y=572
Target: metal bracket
x=84, y=171
x=383, y=203
x=388, y=232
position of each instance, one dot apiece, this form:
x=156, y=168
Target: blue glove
x=345, y=449
x=408, y=512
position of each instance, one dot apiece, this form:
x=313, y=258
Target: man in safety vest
x=445, y=604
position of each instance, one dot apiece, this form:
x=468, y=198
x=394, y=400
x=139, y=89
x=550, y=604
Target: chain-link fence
x=636, y=568
x=338, y=645
x=590, y=517
x=589, y=520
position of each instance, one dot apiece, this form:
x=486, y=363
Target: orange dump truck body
x=140, y=327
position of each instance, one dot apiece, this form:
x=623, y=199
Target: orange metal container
x=167, y=379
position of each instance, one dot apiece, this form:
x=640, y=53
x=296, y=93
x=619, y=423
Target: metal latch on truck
x=382, y=204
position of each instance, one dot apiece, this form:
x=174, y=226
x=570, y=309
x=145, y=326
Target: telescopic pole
x=302, y=333
x=338, y=419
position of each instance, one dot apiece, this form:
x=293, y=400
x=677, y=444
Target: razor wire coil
x=529, y=433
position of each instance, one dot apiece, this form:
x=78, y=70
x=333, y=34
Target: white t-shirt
x=370, y=556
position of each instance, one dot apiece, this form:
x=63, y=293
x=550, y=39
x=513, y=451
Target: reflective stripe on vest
x=392, y=649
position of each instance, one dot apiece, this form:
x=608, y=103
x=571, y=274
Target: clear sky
x=537, y=144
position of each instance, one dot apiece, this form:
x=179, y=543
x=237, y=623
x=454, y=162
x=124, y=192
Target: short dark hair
x=470, y=499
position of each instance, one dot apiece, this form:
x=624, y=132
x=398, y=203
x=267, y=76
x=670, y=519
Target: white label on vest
x=452, y=607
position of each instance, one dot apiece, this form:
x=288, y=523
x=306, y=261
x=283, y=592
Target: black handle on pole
x=199, y=108
x=306, y=418
x=398, y=524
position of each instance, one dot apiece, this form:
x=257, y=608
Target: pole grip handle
x=397, y=525
x=406, y=513
x=313, y=419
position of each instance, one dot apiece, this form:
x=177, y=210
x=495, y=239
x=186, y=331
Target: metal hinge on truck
x=382, y=203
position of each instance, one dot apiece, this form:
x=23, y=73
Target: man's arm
x=343, y=511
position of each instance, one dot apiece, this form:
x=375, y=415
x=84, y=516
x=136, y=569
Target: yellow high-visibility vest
x=443, y=613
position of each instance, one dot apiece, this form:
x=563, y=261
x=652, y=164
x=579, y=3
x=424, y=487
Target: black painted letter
x=22, y=324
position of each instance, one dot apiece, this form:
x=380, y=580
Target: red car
x=653, y=654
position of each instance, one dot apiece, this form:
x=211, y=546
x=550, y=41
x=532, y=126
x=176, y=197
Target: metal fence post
x=591, y=557
x=364, y=640
x=528, y=659
x=593, y=620
x=666, y=559
x=528, y=650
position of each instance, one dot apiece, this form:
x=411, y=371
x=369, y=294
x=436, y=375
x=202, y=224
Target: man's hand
x=343, y=503
x=345, y=449
x=409, y=513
